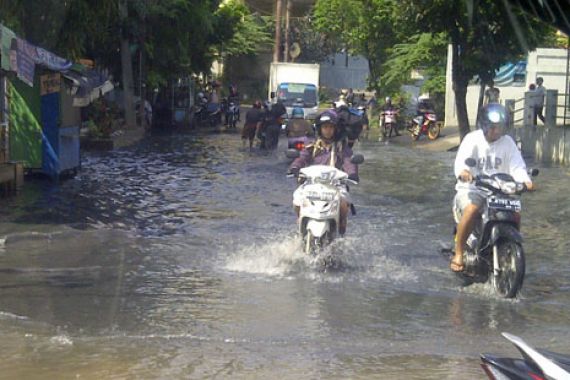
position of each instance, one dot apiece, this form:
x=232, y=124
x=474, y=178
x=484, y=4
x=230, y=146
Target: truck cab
x=304, y=95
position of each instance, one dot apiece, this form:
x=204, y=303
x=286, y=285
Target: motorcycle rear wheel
x=433, y=131
x=509, y=280
x=415, y=132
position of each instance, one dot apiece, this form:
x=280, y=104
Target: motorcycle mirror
x=471, y=162
x=292, y=153
x=357, y=159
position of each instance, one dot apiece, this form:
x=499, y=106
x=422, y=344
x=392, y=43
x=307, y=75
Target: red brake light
x=299, y=145
x=535, y=376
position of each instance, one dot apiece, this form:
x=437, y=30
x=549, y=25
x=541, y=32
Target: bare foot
x=456, y=264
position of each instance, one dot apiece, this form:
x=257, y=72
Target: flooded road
x=178, y=258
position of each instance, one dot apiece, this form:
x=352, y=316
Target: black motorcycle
x=494, y=248
x=537, y=364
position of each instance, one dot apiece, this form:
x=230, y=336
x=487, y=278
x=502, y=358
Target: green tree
x=484, y=35
x=422, y=52
x=316, y=46
x=363, y=27
x=244, y=32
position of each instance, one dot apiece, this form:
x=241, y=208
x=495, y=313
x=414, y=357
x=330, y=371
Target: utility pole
x=288, y=5
x=4, y=143
x=277, y=47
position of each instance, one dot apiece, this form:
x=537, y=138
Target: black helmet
x=327, y=117
x=493, y=115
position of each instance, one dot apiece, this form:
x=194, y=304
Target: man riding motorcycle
x=388, y=106
x=494, y=152
x=327, y=150
x=297, y=126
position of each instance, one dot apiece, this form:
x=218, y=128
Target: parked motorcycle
x=494, y=248
x=320, y=210
x=425, y=124
x=388, y=123
x=537, y=364
x=207, y=113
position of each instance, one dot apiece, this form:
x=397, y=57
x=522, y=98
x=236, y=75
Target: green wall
x=25, y=132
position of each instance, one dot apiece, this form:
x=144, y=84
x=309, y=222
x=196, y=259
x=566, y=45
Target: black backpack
x=351, y=122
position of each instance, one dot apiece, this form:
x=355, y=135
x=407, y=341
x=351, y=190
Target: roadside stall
x=42, y=112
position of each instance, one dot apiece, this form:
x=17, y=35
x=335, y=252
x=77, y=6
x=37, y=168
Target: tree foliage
x=316, y=46
x=425, y=53
x=249, y=33
x=484, y=35
x=176, y=37
x=362, y=27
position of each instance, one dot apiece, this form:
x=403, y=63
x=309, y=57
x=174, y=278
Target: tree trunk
x=127, y=71
x=277, y=47
x=287, y=26
x=460, y=83
x=481, y=96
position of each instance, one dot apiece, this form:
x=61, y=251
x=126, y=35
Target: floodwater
x=177, y=258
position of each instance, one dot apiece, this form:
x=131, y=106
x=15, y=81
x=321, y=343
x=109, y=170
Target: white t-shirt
x=501, y=156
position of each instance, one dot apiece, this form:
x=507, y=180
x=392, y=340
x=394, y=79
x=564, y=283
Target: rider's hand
x=293, y=171
x=465, y=176
x=354, y=177
x=530, y=186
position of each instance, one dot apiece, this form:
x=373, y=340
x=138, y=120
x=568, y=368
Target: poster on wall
x=50, y=83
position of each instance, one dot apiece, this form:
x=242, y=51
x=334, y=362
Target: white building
x=513, y=81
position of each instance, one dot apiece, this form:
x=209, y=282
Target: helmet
x=327, y=117
x=297, y=113
x=493, y=115
x=257, y=104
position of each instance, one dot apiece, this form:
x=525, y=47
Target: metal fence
x=522, y=112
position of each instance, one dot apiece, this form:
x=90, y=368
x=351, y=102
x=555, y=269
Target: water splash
x=273, y=258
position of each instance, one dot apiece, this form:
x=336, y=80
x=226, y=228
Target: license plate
x=504, y=204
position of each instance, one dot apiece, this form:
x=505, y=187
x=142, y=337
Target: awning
x=21, y=57
x=86, y=84
x=511, y=74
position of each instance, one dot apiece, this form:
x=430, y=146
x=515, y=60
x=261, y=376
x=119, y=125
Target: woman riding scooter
x=327, y=150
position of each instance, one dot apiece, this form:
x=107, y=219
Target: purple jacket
x=323, y=157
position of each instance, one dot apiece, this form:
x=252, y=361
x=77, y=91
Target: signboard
x=26, y=57
x=50, y=83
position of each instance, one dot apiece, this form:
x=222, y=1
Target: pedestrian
x=492, y=94
x=253, y=120
x=539, y=100
x=350, y=97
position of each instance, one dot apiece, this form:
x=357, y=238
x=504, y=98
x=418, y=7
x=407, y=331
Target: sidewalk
x=447, y=141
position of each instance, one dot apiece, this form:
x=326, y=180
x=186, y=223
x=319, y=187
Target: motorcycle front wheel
x=433, y=131
x=508, y=280
x=312, y=244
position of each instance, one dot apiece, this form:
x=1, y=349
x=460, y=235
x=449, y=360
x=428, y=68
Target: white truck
x=295, y=85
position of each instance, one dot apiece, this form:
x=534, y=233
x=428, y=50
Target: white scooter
x=320, y=207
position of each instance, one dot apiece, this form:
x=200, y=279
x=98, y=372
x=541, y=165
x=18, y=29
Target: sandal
x=456, y=266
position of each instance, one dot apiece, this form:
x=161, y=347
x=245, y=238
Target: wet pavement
x=178, y=258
